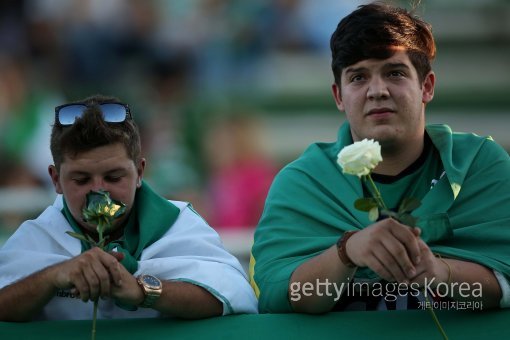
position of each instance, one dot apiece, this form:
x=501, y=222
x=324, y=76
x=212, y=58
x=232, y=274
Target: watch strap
x=150, y=294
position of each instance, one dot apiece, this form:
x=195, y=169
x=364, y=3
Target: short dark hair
x=373, y=30
x=91, y=131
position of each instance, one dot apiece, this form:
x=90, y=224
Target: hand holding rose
x=389, y=247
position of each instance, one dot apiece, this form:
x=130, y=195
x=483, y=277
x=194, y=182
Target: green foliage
x=365, y=204
x=375, y=207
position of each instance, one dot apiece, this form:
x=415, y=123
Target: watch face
x=151, y=281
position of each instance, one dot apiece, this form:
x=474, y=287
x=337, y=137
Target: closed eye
x=81, y=180
x=113, y=179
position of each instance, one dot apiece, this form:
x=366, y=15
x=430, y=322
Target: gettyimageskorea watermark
x=389, y=291
x=451, y=305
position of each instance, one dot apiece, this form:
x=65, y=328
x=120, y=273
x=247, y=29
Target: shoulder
x=484, y=158
x=315, y=159
x=491, y=158
x=464, y=149
x=51, y=220
x=316, y=152
x=45, y=231
x=463, y=140
x=181, y=205
x=487, y=148
x=189, y=221
x=186, y=211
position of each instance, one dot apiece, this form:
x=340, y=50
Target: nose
x=377, y=89
x=98, y=184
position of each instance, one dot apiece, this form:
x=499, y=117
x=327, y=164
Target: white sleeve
x=35, y=245
x=192, y=251
x=505, y=290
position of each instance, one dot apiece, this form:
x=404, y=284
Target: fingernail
x=417, y=260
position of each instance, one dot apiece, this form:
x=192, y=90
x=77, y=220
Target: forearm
x=21, y=300
x=472, y=282
x=181, y=299
x=315, y=279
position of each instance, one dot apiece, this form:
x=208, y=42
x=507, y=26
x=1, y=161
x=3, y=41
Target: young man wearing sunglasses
x=161, y=259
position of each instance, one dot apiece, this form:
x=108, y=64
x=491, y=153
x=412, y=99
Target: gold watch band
x=151, y=287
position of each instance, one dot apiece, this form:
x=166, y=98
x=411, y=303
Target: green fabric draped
x=150, y=218
x=310, y=205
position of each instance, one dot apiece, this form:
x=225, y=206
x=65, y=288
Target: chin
x=384, y=133
x=382, y=138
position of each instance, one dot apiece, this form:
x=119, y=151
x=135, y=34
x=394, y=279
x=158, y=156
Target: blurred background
x=225, y=92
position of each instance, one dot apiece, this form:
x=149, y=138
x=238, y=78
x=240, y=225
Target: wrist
x=446, y=277
x=55, y=276
x=342, y=249
x=140, y=294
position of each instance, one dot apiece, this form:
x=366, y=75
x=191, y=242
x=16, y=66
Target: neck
x=398, y=158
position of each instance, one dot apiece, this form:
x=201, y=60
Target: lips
x=380, y=111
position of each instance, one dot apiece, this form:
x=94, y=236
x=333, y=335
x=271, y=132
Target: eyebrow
x=84, y=173
x=355, y=70
x=385, y=66
x=396, y=65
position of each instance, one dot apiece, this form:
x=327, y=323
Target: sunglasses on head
x=112, y=112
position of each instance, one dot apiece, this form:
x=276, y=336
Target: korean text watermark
x=389, y=291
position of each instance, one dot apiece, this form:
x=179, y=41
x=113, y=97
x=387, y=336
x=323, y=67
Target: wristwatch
x=152, y=288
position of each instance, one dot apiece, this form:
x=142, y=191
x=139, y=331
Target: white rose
x=360, y=158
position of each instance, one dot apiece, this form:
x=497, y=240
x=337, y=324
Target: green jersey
x=463, y=184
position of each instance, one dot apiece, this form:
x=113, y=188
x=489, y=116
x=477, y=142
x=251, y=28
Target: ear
x=428, y=87
x=140, y=170
x=337, y=94
x=52, y=170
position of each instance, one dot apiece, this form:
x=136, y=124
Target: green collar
x=442, y=138
x=150, y=218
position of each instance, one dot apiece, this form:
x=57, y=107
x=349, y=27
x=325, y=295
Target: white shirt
x=189, y=251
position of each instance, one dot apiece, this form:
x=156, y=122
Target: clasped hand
x=396, y=253
x=96, y=273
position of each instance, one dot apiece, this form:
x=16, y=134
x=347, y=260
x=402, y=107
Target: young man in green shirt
x=304, y=260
